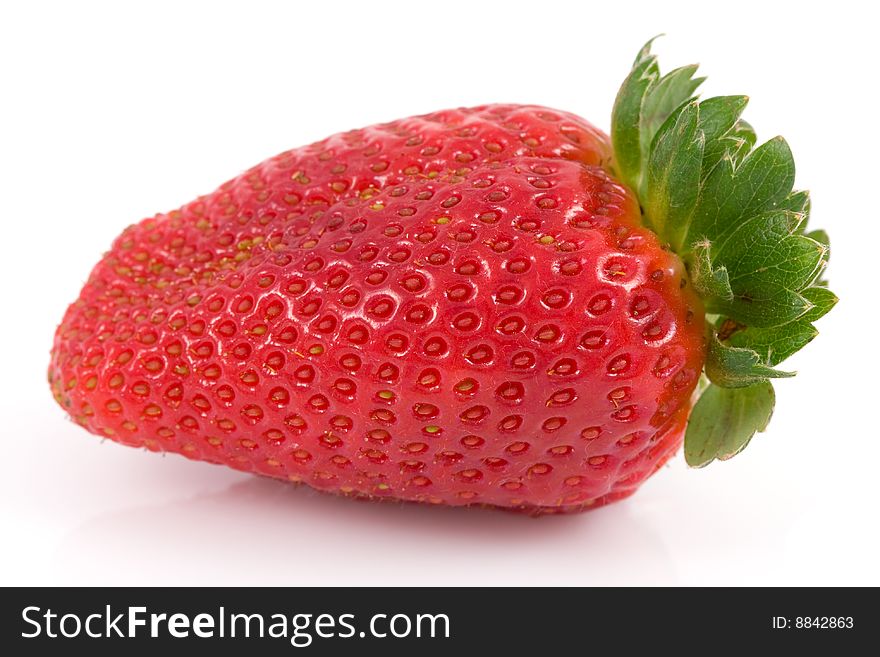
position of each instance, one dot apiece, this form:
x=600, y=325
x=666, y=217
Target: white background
x=111, y=112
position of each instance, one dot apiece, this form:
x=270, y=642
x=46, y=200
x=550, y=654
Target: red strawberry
x=461, y=308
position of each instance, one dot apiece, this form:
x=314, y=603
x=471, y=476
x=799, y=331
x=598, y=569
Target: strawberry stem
x=729, y=210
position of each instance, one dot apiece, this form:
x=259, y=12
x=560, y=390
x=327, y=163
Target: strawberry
x=495, y=306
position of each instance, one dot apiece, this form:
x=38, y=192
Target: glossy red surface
x=459, y=308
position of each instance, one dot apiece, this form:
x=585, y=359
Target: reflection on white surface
x=257, y=531
x=143, y=518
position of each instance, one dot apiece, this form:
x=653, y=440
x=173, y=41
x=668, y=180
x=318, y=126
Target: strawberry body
x=461, y=308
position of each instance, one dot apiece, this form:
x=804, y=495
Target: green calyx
x=729, y=210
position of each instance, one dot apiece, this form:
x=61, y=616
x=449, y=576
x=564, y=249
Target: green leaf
x=673, y=175
x=728, y=209
x=777, y=343
x=797, y=202
x=626, y=116
x=730, y=195
x=724, y=420
x=713, y=285
x=645, y=52
x=718, y=116
x=737, y=367
x=668, y=94
x=820, y=236
x=740, y=141
x=767, y=306
x=822, y=299
x=768, y=263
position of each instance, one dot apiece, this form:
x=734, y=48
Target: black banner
x=429, y=621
